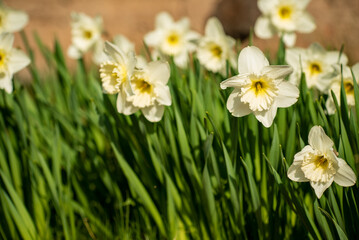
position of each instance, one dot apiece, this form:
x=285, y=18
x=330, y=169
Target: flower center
x=285, y=12
x=318, y=167
x=216, y=51
x=315, y=68
x=87, y=34
x=259, y=93
x=349, y=87
x=144, y=87
x=2, y=58
x=173, y=39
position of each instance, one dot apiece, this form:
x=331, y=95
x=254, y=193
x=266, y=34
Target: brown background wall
x=336, y=19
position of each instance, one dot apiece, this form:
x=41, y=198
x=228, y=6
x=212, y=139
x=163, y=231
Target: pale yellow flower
x=12, y=20
x=318, y=164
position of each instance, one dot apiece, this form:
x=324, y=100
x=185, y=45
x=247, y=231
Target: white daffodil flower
x=215, y=48
x=150, y=90
x=318, y=164
x=348, y=87
x=283, y=17
x=86, y=35
x=12, y=20
x=116, y=75
x=259, y=88
x=11, y=61
x=172, y=38
x=316, y=63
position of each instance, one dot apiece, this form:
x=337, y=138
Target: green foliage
x=71, y=167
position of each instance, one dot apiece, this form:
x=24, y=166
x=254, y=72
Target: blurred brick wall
x=336, y=19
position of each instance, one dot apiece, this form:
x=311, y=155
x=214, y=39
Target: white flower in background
x=86, y=35
x=150, y=91
x=11, y=61
x=348, y=87
x=316, y=63
x=215, y=48
x=12, y=20
x=283, y=17
x=172, y=38
x=259, y=88
x=318, y=164
x=116, y=75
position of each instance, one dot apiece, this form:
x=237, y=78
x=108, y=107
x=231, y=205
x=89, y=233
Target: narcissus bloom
x=150, y=90
x=215, y=48
x=348, y=87
x=172, y=38
x=259, y=88
x=283, y=17
x=12, y=20
x=86, y=35
x=318, y=164
x=116, y=75
x=11, y=61
x=316, y=63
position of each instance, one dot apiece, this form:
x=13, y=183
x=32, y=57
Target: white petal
x=305, y=23
x=319, y=140
x=74, y=52
x=345, y=176
x=263, y=28
x=153, y=113
x=158, y=71
x=289, y=39
x=123, y=43
x=235, y=81
x=164, y=20
x=130, y=63
x=181, y=60
x=277, y=71
x=320, y=187
x=6, y=41
x=114, y=53
x=251, y=60
x=15, y=21
x=288, y=94
x=163, y=95
x=18, y=60
x=6, y=81
x=293, y=57
x=235, y=106
x=267, y=117
x=214, y=28
x=266, y=6
x=302, y=4
x=296, y=174
x=355, y=69
x=332, y=57
x=99, y=55
x=298, y=157
x=154, y=38
x=124, y=106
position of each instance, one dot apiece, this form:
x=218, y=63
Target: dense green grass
x=71, y=167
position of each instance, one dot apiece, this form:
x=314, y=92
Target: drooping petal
x=163, y=95
x=288, y=94
x=15, y=21
x=277, y=71
x=251, y=60
x=289, y=39
x=235, y=106
x=266, y=117
x=6, y=81
x=235, y=81
x=153, y=113
x=305, y=23
x=158, y=71
x=320, y=187
x=345, y=176
x=296, y=174
x=319, y=140
x=18, y=60
x=263, y=28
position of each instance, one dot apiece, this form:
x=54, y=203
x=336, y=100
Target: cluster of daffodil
x=12, y=60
